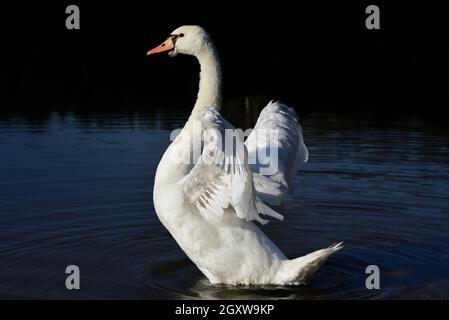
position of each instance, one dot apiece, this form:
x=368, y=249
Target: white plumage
x=288, y=143
x=208, y=194
x=222, y=176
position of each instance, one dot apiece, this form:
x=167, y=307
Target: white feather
x=289, y=143
x=231, y=178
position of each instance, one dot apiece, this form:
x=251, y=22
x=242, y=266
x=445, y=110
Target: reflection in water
x=76, y=188
x=204, y=290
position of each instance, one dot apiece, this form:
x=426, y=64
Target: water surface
x=77, y=189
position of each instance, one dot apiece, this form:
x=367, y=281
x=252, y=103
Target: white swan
x=208, y=206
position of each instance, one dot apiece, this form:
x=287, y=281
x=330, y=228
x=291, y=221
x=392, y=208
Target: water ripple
x=78, y=190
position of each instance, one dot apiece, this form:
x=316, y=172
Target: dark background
x=85, y=116
x=315, y=55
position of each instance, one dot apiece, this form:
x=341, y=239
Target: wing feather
x=277, y=130
x=222, y=176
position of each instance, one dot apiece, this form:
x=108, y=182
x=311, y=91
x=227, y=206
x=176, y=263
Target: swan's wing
x=278, y=134
x=222, y=177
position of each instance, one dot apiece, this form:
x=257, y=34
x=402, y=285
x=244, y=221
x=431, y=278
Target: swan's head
x=189, y=40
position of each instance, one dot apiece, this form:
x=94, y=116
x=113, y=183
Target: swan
x=210, y=207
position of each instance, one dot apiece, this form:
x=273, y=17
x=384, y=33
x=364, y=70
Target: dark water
x=78, y=190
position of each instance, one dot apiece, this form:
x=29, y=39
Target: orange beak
x=165, y=46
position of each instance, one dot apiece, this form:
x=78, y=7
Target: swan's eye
x=181, y=35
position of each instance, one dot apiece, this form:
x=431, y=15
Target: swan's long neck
x=209, y=93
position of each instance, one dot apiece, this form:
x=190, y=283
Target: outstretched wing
x=222, y=177
x=277, y=148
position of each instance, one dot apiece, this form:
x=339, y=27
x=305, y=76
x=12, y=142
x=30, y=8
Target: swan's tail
x=298, y=270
